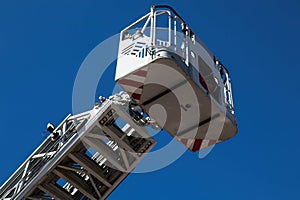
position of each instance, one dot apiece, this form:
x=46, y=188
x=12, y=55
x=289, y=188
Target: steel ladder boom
x=93, y=154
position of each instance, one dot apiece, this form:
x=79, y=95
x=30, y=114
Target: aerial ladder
x=161, y=62
x=85, y=157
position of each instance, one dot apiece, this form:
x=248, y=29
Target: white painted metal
x=168, y=53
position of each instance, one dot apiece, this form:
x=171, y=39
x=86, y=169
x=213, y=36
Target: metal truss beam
x=63, y=168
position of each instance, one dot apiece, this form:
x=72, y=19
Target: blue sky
x=43, y=43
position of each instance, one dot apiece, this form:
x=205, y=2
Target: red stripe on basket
x=140, y=73
x=197, y=145
x=131, y=83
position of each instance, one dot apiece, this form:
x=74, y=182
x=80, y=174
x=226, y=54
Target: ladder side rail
x=38, y=158
x=58, y=155
x=15, y=175
x=40, y=162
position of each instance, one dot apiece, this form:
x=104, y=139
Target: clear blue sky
x=43, y=43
